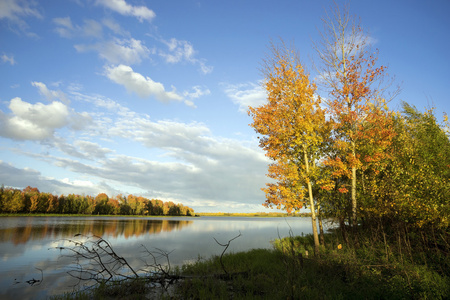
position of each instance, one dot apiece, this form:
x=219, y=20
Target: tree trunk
x=321, y=234
x=313, y=211
x=354, y=216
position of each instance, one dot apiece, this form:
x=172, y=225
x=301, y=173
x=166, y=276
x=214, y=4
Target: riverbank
x=290, y=271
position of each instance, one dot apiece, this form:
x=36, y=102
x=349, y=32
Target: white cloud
x=90, y=28
x=144, y=87
x=114, y=26
x=15, y=11
x=120, y=6
x=197, y=92
x=118, y=51
x=33, y=121
x=190, y=103
x=8, y=59
x=78, y=183
x=38, y=121
x=245, y=95
x=179, y=50
x=65, y=27
x=92, y=149
x=50, y=95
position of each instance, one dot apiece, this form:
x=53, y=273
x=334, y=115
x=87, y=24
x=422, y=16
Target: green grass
x=269, y=274
x=342, y=271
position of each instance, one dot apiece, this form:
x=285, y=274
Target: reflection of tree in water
x=106, y=227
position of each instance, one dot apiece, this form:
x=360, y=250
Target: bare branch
x=226, y=247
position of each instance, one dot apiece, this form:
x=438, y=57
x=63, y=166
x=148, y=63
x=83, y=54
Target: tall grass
x=341, y=272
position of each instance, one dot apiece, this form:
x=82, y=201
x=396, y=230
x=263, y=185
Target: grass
x=272, y=274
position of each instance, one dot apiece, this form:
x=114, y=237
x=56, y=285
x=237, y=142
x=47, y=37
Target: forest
x=31, y=201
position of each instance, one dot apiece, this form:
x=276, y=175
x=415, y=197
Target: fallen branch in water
x=96, y=262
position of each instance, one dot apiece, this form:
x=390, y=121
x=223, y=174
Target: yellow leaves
x=291, y=122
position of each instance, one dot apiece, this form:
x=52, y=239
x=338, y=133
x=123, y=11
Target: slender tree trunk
x=354, y=216
x=321, y=234
x=313, y=211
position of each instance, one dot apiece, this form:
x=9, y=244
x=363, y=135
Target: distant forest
x=30, y=200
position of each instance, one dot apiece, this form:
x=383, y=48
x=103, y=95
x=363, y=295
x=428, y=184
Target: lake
x=28, y=245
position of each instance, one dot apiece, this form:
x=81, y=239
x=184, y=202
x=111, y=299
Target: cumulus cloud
x=50, y=95
x=179, y=50
x=144, y=87
x=127, y=51
x=36, y=121
x=8, y=59
x=33, y=121
x=245, y=95
x=142, y=13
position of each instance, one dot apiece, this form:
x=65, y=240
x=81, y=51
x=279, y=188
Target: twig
x=226, y=247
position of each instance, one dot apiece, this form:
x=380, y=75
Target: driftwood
x=94, y=259
x=96, y=262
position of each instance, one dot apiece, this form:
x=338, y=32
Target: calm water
x=28, y=244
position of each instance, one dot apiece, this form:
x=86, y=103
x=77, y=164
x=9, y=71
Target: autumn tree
x=101, y=204
x=355, y=87
x=13, y=201
x=292, y=126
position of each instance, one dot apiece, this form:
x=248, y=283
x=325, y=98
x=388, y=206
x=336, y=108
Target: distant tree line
x=30, y=200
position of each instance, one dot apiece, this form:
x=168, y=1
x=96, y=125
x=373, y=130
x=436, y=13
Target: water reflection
x=27, y=243
x=32, y=229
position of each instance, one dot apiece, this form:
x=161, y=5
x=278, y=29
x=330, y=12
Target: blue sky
x=150, y=97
